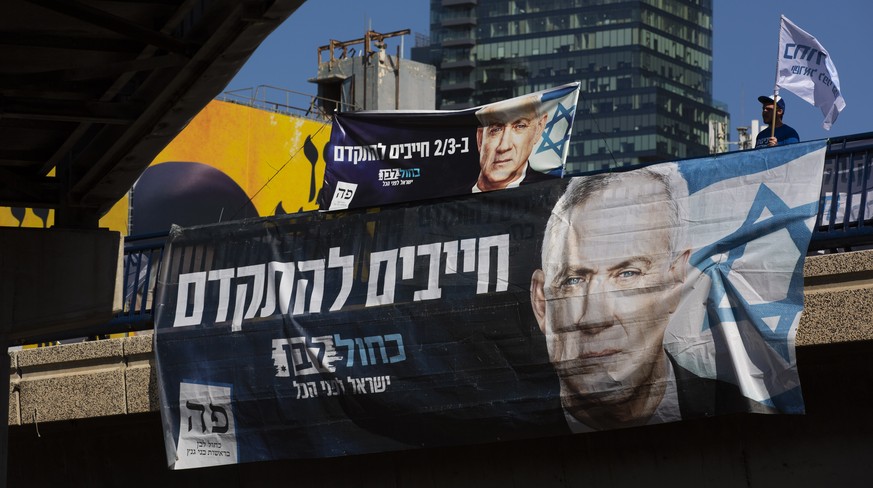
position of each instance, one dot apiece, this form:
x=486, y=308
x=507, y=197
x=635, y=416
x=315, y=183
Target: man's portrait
x=611, y=278
x=508, y=133
x=615, y=263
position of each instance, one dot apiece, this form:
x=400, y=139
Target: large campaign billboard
x=616, y=300
x=383, y=157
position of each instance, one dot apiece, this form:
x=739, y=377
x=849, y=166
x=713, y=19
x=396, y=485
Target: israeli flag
x=750, y=217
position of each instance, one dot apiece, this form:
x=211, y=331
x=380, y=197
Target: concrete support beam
x=838, y=289
x=82, y=380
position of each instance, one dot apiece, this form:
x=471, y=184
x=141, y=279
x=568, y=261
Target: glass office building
x=645, y=68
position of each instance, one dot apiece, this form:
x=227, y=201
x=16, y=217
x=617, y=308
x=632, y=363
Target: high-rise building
x=645, y=67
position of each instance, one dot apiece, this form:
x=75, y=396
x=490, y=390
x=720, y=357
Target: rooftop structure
x=363, y=75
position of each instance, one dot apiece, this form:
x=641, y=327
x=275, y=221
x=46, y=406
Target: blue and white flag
x=748, y=259
x=806, y=69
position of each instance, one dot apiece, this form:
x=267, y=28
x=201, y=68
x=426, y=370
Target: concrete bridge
x=89, y=412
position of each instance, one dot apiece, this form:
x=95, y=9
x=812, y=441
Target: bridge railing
x=142, y=263
x=844, y=222
x=845, y=215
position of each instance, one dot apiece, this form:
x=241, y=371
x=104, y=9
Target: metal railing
x=281, y=100
x=845, y=215
x=142, y=264
x=844, y=222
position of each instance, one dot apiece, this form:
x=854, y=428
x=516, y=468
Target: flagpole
x=775, y=107
x=776, y=80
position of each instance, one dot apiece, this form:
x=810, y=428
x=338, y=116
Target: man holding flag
x=778, y=133
x=804, y=68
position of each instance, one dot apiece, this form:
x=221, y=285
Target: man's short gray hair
x=508, y=111
x=581, y=189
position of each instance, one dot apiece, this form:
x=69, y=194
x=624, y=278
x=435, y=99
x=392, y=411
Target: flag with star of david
x=376, y=158
x=752, y=215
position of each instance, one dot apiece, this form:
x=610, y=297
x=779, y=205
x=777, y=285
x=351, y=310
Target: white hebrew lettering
x=347, y=264
x=450, y=249
x=387, y=296
x=433, y=290
x=256, y=272
x=307, y=355
x=316, y=266
x=501, y=243
x=468, y=250
x=223, y=276
x=358, y=385
x=286, y=284
x=198, y=280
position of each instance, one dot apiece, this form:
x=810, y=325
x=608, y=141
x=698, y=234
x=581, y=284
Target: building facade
x=645, y=68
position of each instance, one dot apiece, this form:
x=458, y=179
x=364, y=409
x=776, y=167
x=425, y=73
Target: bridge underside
x=91, y=91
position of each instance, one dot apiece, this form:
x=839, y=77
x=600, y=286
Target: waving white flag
x=806, y=69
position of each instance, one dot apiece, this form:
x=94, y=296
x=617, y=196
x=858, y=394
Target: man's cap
x=765, y=100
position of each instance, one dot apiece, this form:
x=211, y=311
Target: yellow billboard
x=232, y=161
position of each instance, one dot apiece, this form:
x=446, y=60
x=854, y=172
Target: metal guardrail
x=844, y=223
x=845, y=215
x=142, y=264
x=281, y=100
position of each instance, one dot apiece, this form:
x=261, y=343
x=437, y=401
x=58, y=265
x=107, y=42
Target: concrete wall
x=86, y=415
x=417, y=81
x=417, y=90
x=838, y=290
x=83, y=380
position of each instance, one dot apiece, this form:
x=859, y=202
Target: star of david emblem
x=726, y=303
x=556, y=144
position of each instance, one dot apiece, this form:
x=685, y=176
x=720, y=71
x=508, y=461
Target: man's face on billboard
x=609, y=283
x=504, y=148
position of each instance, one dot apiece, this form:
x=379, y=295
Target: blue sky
x=744, y=67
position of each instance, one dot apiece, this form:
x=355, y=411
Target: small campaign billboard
x=383, y=157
